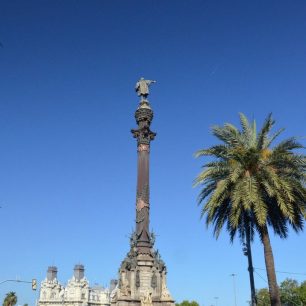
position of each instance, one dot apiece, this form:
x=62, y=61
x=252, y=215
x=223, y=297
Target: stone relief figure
x=62, y=293
x=154, y=280
x=158, y=262
x=114, y=294
x=125, y=289
x=130, y=261
x=165, y=294
x=137, y=280
x=146, y=300
x=142, y=213
x=152, y=238
x=133, y=240
x=142, y=88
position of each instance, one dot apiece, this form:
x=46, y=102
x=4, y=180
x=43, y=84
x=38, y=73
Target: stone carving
x=142, y=88
x=144, y=117
x=142, y=213
x=154, y=280
x=143, y=134
x=62, y=293
x=137, y=281
x=158, y=262
x=125, y=289
x=152, y=238
x=130, y=261
x=114, y=293
x=146, y=300
x=133, y=240
x=165, y=294
x=140, y=205
x=143, y=147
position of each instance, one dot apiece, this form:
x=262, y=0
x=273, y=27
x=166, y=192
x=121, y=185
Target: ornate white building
x=76, y=293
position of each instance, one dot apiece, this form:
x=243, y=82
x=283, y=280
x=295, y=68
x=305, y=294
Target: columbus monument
x=142, y=274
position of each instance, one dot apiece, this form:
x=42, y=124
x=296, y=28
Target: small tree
x=302, y=292
x=187, y=303
x=10, y=299
x=289, y=290
x=263, y=298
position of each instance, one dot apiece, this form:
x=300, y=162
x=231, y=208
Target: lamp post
x=234, y=286
x=247, y=251
x=216, y=298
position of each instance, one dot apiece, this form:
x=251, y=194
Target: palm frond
x=263, y=133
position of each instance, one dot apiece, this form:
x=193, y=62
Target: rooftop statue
x=142, y=88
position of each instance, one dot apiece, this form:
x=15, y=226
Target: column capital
x=144, y=117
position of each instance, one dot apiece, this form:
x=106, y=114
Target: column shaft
x=142, y=199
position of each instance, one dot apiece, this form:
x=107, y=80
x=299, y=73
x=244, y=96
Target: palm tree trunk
x=269, y=260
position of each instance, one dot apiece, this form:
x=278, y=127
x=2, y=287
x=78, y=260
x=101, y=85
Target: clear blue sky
x=68, y=160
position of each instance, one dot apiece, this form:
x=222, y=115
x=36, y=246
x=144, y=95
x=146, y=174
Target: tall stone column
x=144, y=135
x=142, y=274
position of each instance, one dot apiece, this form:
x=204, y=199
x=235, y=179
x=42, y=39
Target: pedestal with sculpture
x=142, y=274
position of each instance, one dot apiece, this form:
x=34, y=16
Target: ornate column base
x=142, y=281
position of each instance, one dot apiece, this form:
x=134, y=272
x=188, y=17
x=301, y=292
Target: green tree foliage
x=248, y=184
x=263, y=298
x=302, y=292
x=187, y=303
x=291, y=292
x=10, y=299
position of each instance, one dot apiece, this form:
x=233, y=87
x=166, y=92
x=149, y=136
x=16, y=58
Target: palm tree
x=249, y=184
x=10, y=299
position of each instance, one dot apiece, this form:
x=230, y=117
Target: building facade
x=77, y=292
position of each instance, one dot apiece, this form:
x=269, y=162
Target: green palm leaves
x=248, y=176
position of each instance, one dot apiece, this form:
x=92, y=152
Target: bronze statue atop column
x=142, y=88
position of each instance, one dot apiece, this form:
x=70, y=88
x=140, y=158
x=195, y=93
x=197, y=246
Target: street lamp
x=33, y=282
x=216, y=298
x=247, y=251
